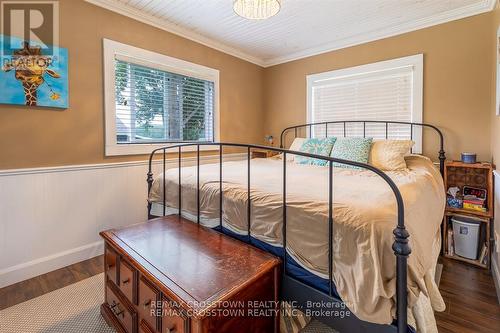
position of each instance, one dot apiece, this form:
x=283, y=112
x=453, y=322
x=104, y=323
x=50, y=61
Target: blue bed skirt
x=293, y=269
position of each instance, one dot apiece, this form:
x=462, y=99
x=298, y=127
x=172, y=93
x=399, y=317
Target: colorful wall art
x=30, y=77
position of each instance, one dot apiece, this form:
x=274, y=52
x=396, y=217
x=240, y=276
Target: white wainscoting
x=495, y=263
x=51, y=217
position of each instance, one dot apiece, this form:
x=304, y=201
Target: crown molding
x=120, y=8
x=451, y=15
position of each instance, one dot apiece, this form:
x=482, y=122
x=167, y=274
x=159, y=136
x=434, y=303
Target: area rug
x=75, y=309
x=72, y=309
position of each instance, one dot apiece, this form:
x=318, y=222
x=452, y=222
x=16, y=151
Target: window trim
x=113, y=50
x=416, y=61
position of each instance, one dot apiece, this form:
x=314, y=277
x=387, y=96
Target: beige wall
x=457, y=79
x=36, y=137
x=253, y=101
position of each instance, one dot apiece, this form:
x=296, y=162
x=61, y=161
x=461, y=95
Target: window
x=153, y=100
x=388, y=90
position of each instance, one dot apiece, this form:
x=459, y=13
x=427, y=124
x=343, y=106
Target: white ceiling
x=302, y=27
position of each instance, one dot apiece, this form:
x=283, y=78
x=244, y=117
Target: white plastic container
x=466, y=236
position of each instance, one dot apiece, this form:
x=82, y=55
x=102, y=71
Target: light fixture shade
x=256, y=9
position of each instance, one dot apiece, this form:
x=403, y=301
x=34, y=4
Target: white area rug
x=72, y=309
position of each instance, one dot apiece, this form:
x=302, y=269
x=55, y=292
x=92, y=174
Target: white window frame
x=414, y=61
x=115, y=50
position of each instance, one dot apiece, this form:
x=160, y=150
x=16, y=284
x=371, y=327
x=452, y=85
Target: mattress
x=364, y=214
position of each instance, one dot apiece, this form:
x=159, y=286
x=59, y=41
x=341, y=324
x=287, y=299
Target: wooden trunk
x=170, y=275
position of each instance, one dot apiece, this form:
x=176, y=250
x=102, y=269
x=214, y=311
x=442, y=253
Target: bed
x=338, y=234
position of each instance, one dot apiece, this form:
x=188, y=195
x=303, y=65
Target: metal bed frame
x=293, y=290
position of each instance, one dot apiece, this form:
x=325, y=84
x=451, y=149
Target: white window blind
x=386, y=91
x=154, y=105
x=153, y=101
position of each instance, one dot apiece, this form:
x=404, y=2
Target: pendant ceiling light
x=256, y=9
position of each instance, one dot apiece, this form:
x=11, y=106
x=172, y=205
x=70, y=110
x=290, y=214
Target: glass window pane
x=153, y=105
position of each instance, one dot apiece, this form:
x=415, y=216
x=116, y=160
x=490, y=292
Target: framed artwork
x=498, y=74
x=30, y=77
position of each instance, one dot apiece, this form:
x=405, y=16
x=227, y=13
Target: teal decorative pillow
x=352, y=149
x=317, y=147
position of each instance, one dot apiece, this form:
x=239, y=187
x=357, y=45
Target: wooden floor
x=45, y=283
x=469, y=294
x=471, y=300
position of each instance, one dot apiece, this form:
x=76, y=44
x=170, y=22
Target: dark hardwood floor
x=469, y=293
x=471, y=300
x=37, y=286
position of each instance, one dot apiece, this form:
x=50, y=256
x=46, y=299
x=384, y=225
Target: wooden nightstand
x=263, y=153
x=477, y=175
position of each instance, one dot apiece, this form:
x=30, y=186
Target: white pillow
x=389, y=155
x=296, y=144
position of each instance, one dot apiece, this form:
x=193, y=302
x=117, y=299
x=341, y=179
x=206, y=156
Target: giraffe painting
x=30, y=66
x=43, y=78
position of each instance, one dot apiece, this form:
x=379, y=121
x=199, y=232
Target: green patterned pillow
x=352, y=149
x=318, y=147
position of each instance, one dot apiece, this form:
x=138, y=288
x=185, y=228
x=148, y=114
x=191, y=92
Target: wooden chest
x=170, y=275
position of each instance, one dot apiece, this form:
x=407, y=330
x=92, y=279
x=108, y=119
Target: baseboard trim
x=30, y=269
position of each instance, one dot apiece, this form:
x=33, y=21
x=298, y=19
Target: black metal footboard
x=292, y=289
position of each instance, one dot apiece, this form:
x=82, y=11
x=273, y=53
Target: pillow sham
x=352, y=149
x=315, y=146
x=296, y=144
x=389, y=155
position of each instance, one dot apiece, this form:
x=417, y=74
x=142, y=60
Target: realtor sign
x=33, y=21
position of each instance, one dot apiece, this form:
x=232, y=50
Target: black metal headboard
x=311, y=126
